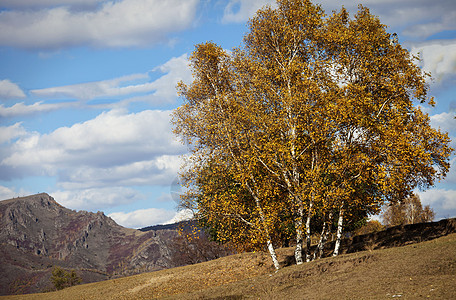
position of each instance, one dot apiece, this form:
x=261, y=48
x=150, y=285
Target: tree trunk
x=339, y=230
x=308, y=241
x=323, y=237
x=298, y=249
x=263, y=221
x=273, y=255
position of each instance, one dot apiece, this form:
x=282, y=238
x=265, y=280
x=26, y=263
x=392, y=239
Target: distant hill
x=37, y=233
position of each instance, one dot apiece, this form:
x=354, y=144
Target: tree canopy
x=408, y=211
x=313, y=116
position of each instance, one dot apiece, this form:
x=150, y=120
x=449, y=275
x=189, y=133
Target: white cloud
x=142, y=217
x=445, y=121
x=161, y=90
x=10, y=90
x=97, y=198
x=122, y=23
x=122, y=90
x=415, y=18
x=7, y=133
x=182, y=215
x=175, y=70
x=237, y=11
x=436, y=20
x=11, y=4
x=158, y=171
x=442, y=201
x=7, y=193
x=20, y=109
x=438, y=57
x=114, y=148
x=451, y=176
x=96, y=89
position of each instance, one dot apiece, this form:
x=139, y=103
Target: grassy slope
x=424, y=270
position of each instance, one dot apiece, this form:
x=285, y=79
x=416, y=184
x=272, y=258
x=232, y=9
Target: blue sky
x=87, y=86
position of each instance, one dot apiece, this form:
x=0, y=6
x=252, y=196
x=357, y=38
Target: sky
x=87, y=88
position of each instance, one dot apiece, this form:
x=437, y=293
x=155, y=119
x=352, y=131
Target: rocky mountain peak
x=39, y=233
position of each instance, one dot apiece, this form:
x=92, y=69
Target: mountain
x=37, y=233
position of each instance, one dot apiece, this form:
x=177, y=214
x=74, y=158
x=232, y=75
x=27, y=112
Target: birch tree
x=387, y=143
x=212, y=121
x=313, y=115
x=407, y=211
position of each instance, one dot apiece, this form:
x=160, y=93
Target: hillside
x=38, y=234
x=416, y=271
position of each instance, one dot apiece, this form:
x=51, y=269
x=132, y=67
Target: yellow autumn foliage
x=314, y=114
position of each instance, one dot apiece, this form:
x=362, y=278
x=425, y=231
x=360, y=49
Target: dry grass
x=424, y=270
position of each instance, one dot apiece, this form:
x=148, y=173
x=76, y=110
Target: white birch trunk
x=266, y=231
x=323, y=237
x=273, y=255
x=339, y=230
x=308, y=241
x=298, y=249
x=295, y=180
x=320, y=242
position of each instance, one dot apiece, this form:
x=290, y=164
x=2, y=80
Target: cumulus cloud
x=161, y=90
x=445, y=121
x=97, y=198
x=175, y=70
x=122, y=23
x=415, y=18
x=10, y=90
x=142, y=217
x=439, y=58
x=135, y=147
x=442, y=201
x=8, y=133
x=182, y=215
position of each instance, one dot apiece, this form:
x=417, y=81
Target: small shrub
x=62, y=279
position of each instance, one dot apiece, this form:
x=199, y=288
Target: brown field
x=416, y=271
